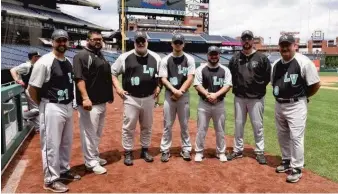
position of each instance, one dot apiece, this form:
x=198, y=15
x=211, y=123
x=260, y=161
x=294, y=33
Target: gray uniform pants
x=170, y=109
x=255, y=109
x=207, y=111
x=290, y=123
x=32, y=105
x=91, y=125
x=137, y=109
x=56, y=136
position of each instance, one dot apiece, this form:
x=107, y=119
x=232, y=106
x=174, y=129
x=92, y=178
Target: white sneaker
x=102, y=161
x=198, y=157
x=222, y=157
x=98, y=169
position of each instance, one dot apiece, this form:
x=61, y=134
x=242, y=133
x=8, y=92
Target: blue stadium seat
x=213, y=38
x=160, y=35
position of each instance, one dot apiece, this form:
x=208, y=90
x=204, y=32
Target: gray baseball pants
x=91, y=126
x=32, y=105
x=290, y=124
x=137, y=109
x=56, y=136
x=207, y=111
x=255, y=109
x=170, y=109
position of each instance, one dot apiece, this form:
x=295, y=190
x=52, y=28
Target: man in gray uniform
x=212, y=82
x=177, y=74
x=294, y=79
x=140, y=86
x=51, y=87
x=94, y=89
x=21, y=75
x=250, y=71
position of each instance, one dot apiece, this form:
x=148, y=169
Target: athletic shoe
x=146, y=156
x=69, y=176
x=284, y=166
x=102, y=161
x=56, y=187
x=199, y=157
x=185, y=155
x=235, y=155
x=222, y=157
x=261, y=159
x=165, y=156
x=128, y=160
x=98, y=169
x=295, y=175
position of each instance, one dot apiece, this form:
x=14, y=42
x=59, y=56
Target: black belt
x=290, y=100
x=57, y=102
x=140, y=95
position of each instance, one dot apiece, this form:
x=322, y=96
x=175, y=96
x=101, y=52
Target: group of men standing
x=294, y=79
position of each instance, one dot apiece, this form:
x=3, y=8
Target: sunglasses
x=178, y=42
x=244, y=38
x=140, y=40
x=213, y=54
x=59, y=40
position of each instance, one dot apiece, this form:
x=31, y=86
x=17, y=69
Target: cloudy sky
x=266, y=18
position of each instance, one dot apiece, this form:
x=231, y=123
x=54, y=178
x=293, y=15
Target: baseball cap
x=58, y=33
x=33, y=53
x=178, y=37
x=213, y=49
x=287, y=38
x=247, y=33
x=140, y=34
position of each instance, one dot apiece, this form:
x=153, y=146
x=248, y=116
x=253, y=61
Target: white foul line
x=14, y=179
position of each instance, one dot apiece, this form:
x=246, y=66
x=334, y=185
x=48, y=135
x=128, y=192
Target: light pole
x=122, y=25
x=270, y=45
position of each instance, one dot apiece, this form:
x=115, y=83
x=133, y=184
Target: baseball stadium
x=28, y=27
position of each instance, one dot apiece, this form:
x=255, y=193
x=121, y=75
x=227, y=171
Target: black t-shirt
x=139, y=74
x=212, y=79
x=177, y=69
x=95, y=71
x=291, y=79
x=250, y=74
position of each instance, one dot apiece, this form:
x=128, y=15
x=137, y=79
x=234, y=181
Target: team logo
x=276, y=90
x=149, y=70
x=182, y=70
x=293, y=78
x=217, y=81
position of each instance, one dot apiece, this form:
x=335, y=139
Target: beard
x=141, y=51
x=95, y=48
x=247, y=46
x=61, y=49
x=213, y=62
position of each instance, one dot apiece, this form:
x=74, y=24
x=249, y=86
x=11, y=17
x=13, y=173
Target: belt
x=290, y=100
x=139, y=95
x=57, y=102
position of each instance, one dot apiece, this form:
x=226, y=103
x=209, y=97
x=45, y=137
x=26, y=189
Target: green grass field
x=328, y=74
x=321, y=135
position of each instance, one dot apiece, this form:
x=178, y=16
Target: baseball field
x=242, y=175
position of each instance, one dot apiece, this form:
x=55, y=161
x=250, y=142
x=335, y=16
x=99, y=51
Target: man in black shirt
x=294, y=79
x=250, y=74
x=140, y=86
x=94, y=89
x=212, y=82
x=51, y=87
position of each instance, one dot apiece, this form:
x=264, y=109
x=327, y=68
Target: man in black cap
x=51, y=87
x=294, y=79
x=94, y=89
x=177, y=74
x=21, y=75
x=140, y=86
x=250, y=75
x=212, y=82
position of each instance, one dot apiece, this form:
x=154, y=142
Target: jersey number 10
x=135, y=81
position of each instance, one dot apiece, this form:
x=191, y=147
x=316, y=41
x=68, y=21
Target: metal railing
x=13, y=130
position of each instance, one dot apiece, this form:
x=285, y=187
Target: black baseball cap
x=247, y=33
x=213, y=49
x=140, y=34
x=178, y=37
x=287, y=38
x=32, y=54
x=59, y=33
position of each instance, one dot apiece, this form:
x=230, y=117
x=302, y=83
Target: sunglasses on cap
x=178, y=42
x=59, y=40
x=244, y=38
x=140, y=40
x=213, y=53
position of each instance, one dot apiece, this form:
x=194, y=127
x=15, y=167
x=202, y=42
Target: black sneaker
x=261, y=159
x=69, y=176
x=284, y=166
x=128, y=160
x=295, y=175
x=146, y=156
x=235, y=155
x=185, y=155
x=165, y=156
x=56, y=187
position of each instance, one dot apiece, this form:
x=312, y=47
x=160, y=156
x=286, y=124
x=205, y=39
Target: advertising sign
x=157, y=4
